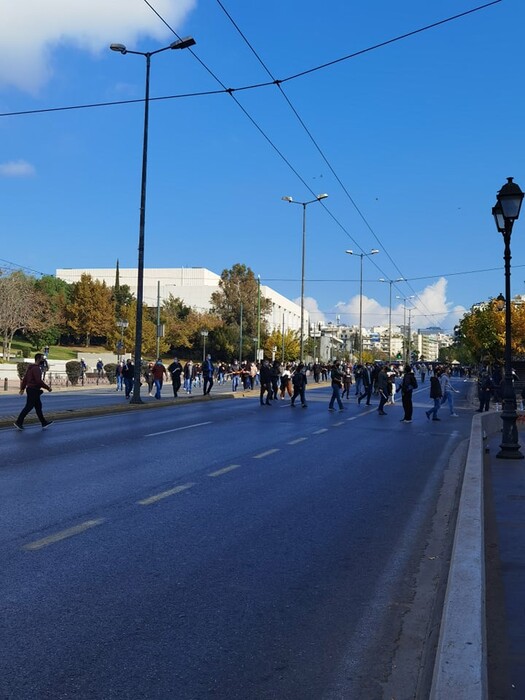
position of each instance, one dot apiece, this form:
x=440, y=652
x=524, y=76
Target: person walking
x=175, y=370
x=299, y=382
x=188, y=377
x=383, y=388
x=447, y=390
x=235, y=372
x=33, y=385
x=128, y=375
x=436, y=395
x=266, y=383
x=118, y=374
x=207, y=374
x=337, y=384
x=286, y=382
x=367, y=384
x=485, y=391
x=159, y=374
x=408, y=384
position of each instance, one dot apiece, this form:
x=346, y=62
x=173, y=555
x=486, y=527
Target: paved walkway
x=505, y=545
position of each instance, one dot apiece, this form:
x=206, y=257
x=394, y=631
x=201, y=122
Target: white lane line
x=295, y=442
x=225, y=470
x=318, y=432
x=174, y=430
x=341, y=422
x=62, y=535
x=265, y=454
x=165, y=494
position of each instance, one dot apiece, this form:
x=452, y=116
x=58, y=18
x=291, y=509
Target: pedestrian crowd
x=278, y=381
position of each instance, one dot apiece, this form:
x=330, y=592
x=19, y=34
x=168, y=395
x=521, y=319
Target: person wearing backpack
x=299, y=385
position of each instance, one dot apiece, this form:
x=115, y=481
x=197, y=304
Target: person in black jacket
x=175, y=370
x=299, y=385
x=408, y=385
x=436, y=395
x=265, y=380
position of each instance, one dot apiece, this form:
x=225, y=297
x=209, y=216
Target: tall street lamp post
x=204, y=336
x=390, y=283
x=120, y=48
x=404, y=300
x=122, y=325
x=361, y=255
x=304, y=205
x=505, y=213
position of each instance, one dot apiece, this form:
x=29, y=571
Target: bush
x=21, y=368
x=73, y=371
x=111, y=372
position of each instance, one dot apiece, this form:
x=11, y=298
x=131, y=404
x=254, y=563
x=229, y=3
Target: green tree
x=19, y=307
x=238, y=292
x=91, y=310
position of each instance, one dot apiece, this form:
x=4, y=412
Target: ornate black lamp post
x=505, y=213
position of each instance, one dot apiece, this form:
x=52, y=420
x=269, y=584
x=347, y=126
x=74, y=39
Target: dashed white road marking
x=165, y=494
x=265, y=454
x=225, y=470
x=298, y=440
x=62, y=535
x=174, y=430
x=318, y=432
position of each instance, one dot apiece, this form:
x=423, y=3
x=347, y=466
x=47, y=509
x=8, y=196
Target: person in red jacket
x=33, y=384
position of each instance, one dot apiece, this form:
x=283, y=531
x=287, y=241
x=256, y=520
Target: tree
x=53, y=295
x=90, y=311
x=239, y=291
x=291, y=345
x=18, y=307
x=481, y=333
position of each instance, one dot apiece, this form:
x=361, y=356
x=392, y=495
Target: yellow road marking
x=63, y=534
x=225, y=470
x=165, y=494
x=294, y=442
x=265, y=454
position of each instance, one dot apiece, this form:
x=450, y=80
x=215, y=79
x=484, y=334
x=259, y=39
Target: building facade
x=194, y=286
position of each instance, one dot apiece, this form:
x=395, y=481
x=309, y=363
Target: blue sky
x=420, y=134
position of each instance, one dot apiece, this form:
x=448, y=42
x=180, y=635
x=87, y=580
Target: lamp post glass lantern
x=374, y=251
x=122, y=49
x=291, y=200
x=505, y=213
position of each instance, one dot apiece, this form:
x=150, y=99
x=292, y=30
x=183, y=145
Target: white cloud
x=31, y=29
x=429, y=308
x=17, y=168
x=310, y=304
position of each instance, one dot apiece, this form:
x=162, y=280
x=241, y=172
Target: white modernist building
x=193, y=285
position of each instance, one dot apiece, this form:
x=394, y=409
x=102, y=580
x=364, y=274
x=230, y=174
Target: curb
x=460, y=669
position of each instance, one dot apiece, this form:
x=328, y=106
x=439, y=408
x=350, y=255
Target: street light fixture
x=374, y=251
x=390, y=283
x=290, y=200
x=505, y=213
x=121, y=48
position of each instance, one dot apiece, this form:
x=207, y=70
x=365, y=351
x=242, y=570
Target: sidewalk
x=505, y=547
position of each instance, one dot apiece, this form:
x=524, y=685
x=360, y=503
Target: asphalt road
x=216, y=550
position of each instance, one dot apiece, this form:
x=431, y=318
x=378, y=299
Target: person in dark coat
x=408, y=384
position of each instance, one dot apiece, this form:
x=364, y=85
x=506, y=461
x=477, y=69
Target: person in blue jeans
x=337, y=384
x=436, y=395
